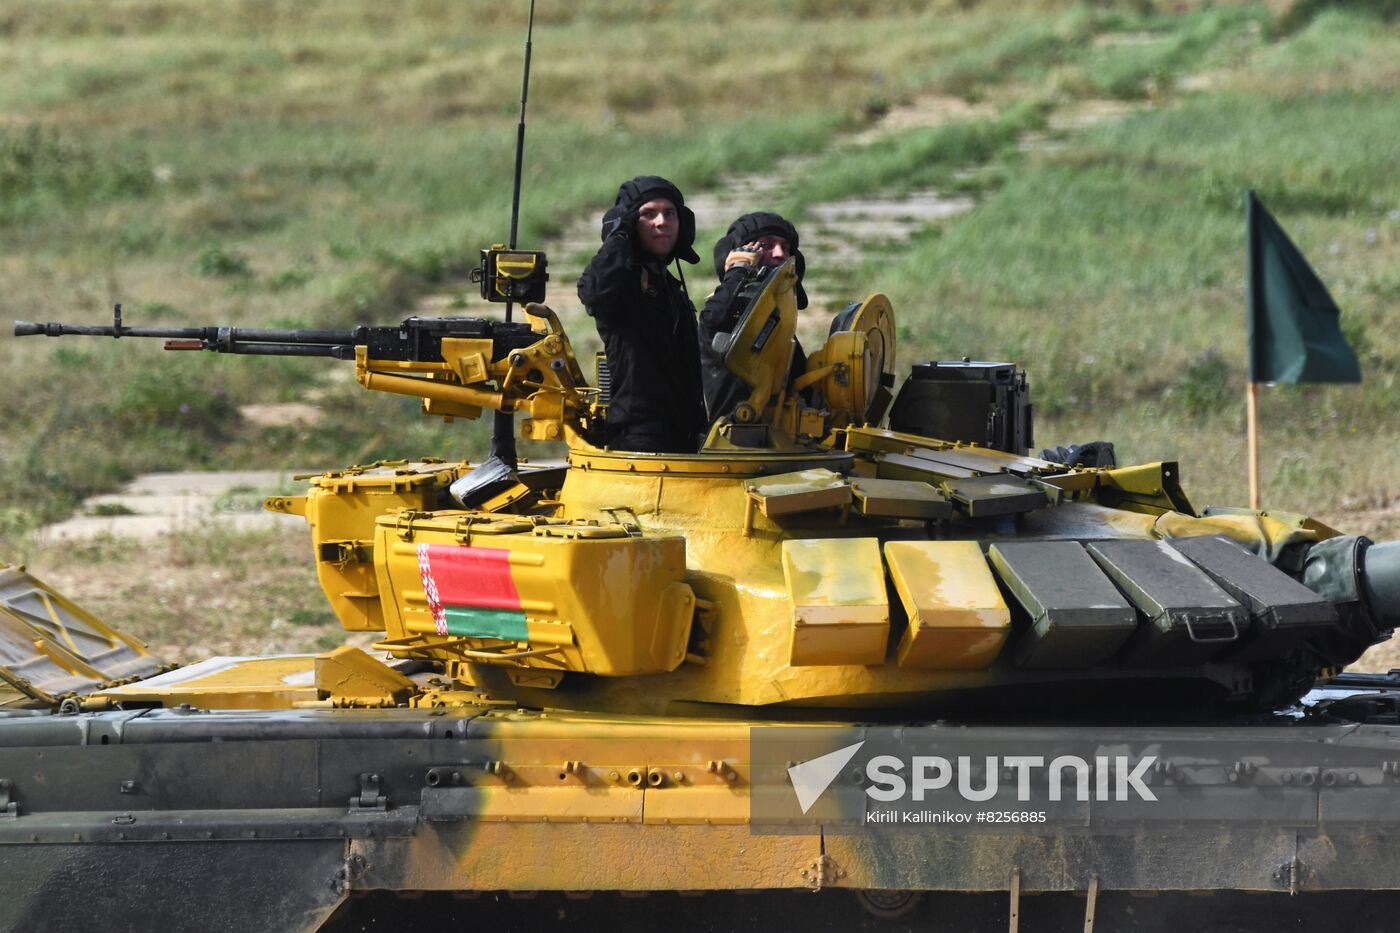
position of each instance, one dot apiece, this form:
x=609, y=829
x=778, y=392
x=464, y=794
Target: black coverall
x=648, y=328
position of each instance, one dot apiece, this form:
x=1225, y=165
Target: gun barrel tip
x=27, y=328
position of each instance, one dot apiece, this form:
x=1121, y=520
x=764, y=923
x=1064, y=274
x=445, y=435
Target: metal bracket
x=369, y=797
x=345, y=877
x=345, y=552
x=403, y=523
x=1290, y=873
x=1091, y=904
x=821, y=872
x=9, y=809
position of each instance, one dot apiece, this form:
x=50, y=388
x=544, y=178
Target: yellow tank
x=821, y=550
x=576, y=664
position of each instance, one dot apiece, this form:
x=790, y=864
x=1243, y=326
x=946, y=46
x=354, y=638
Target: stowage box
x=957, y=617
x=553, y=594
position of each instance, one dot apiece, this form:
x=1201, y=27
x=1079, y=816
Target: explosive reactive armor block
x=1190, y=619
x=957, y=618
x=1077, y=617
x=998, y=494
x=803, y=491
x=1283, y=611
x=840, y=610
x=893, y=498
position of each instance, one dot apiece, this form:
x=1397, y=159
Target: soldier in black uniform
x=646, y=319
x=755, y=241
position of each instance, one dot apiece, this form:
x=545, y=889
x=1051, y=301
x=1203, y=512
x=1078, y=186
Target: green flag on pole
x=1294, y=330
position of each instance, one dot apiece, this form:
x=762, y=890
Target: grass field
x=317, y=163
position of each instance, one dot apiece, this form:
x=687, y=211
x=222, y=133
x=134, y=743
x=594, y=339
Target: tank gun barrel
x=1362, y=579
x=1382, y=581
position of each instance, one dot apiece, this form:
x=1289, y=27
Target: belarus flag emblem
x=470, y=591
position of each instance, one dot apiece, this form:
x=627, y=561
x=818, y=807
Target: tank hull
x=309, y=807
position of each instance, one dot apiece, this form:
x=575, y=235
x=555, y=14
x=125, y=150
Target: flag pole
x=1252, y=420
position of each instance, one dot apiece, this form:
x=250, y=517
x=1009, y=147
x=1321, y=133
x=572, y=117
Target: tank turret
x=810, y=554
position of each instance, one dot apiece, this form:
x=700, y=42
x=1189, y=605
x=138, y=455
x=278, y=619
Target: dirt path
x=158, y=504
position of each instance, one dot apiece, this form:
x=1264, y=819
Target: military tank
x=571, y=656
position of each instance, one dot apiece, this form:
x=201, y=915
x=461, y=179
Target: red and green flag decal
x=470, y=591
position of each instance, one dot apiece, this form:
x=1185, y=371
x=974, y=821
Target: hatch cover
x=49, y=646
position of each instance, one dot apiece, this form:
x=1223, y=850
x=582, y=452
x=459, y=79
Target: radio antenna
x=520, y=138
x=497, y=473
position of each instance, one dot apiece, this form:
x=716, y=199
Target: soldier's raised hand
x=746, y=255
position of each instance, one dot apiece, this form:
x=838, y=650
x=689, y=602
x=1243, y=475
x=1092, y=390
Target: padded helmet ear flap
x=614, y=221
x=801, y=293
x=685, y=242
x=723, y=246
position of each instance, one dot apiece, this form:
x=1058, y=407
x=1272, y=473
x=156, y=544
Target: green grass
x=916, y=159
x=218, y=592
x=319, y=164
x=1113, y=269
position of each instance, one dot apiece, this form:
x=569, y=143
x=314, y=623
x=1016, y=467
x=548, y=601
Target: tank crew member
x=646, y=319
x=755, y=241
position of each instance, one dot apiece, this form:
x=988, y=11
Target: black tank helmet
x=759, y=224
x=633, y=194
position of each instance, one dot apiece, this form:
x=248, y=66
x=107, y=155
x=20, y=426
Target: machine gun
x=417, y=339
x=458, y=366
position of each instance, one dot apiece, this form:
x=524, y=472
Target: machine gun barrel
x=339, y=344
x=415, y=339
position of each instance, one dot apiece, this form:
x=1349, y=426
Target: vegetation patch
x=43, y=169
